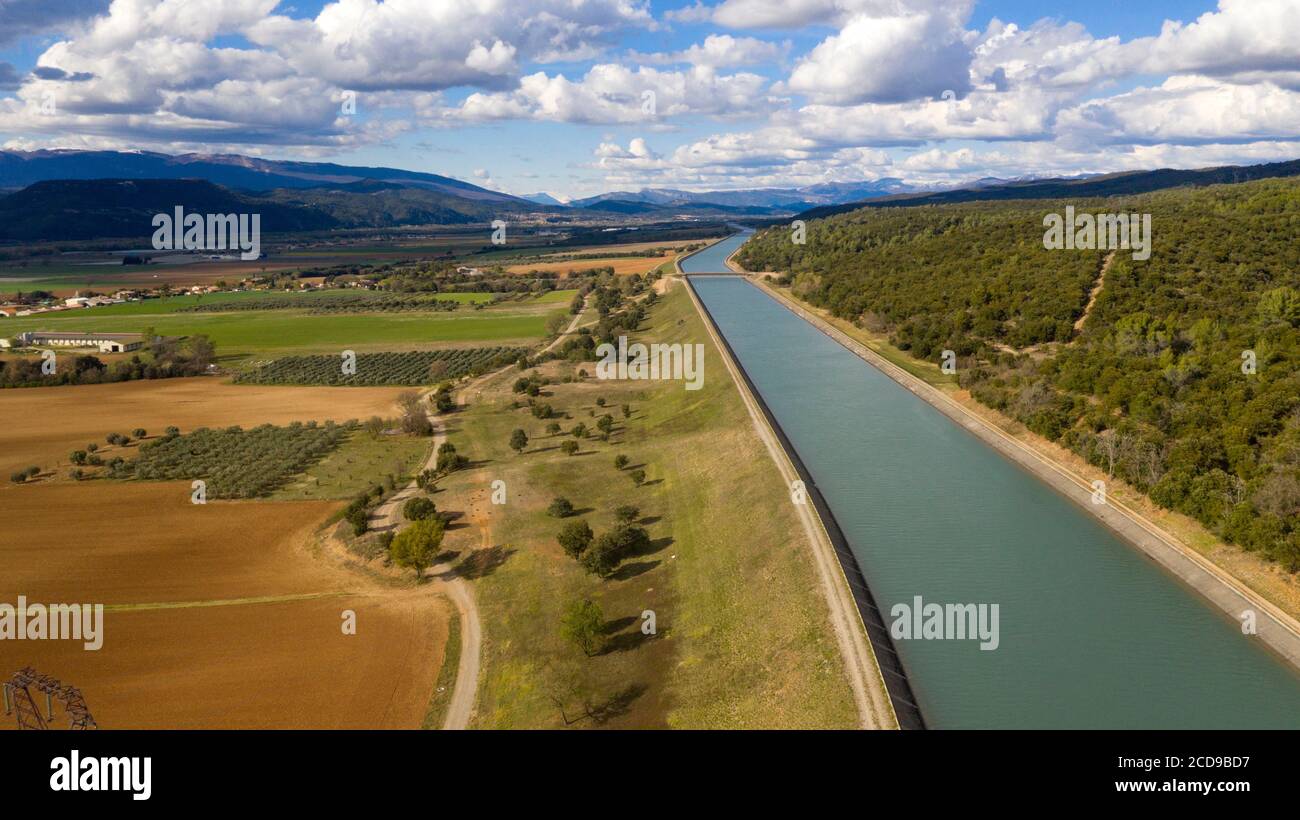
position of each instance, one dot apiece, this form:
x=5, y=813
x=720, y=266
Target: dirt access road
x=388, y=517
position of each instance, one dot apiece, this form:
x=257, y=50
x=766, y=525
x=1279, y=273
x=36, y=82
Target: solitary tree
x=553, y=429
x=574, y=538
x=620, y=461
x=139, y=432
x=560, y=508
x=518, y=441
x=638, y=477
x=570, y=447
x=627, y=411
x=416, y=546
x=605, y=423
x=600, y=402
x=77, y=457
x=584, y=626
x=626, y=514
x=579, y=430
x=419, y=509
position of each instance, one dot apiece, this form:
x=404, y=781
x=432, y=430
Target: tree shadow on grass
x=626, y=641
x=655, y=545
x=618, y=704
x=649, y=519
x=628, y=571
x=480, y=563
x=618, y=625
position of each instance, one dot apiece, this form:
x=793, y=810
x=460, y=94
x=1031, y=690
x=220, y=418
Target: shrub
x=449, y=461
x=602, y=556
x=418, y=545
x=584, y=626
x=518, y=440
x=560, y=508
x=574, y=538
x=621, y=461
x=419, y=509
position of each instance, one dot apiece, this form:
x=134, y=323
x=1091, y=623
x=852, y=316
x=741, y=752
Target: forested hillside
x=1152, y=387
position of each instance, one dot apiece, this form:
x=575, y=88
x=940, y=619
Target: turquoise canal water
x=1091, y=633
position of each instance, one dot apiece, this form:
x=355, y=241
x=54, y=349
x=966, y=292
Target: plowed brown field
x=218, y=615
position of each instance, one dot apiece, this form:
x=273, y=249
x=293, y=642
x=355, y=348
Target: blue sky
x=529, y=95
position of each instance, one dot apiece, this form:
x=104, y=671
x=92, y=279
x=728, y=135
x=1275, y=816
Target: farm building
x=103, y=342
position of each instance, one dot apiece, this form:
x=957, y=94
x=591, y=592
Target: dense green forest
x=1155, y=388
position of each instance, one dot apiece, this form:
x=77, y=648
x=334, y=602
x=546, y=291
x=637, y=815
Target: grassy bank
x=743, y=638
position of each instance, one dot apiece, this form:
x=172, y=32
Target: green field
x=256, y=333
x=357, y=465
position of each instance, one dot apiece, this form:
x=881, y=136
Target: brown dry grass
x=43, y=424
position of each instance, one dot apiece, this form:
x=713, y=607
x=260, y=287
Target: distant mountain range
x=68, y=195
x=756, y=200
x=542, y=198
x=19, y=169
x=66, y=210
x=1120, y=184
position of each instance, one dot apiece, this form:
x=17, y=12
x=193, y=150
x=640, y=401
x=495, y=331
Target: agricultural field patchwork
x=241, y=333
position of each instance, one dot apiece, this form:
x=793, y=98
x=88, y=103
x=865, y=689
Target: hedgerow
x=337, y=303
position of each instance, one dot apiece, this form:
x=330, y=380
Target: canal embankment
x=876, y=673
